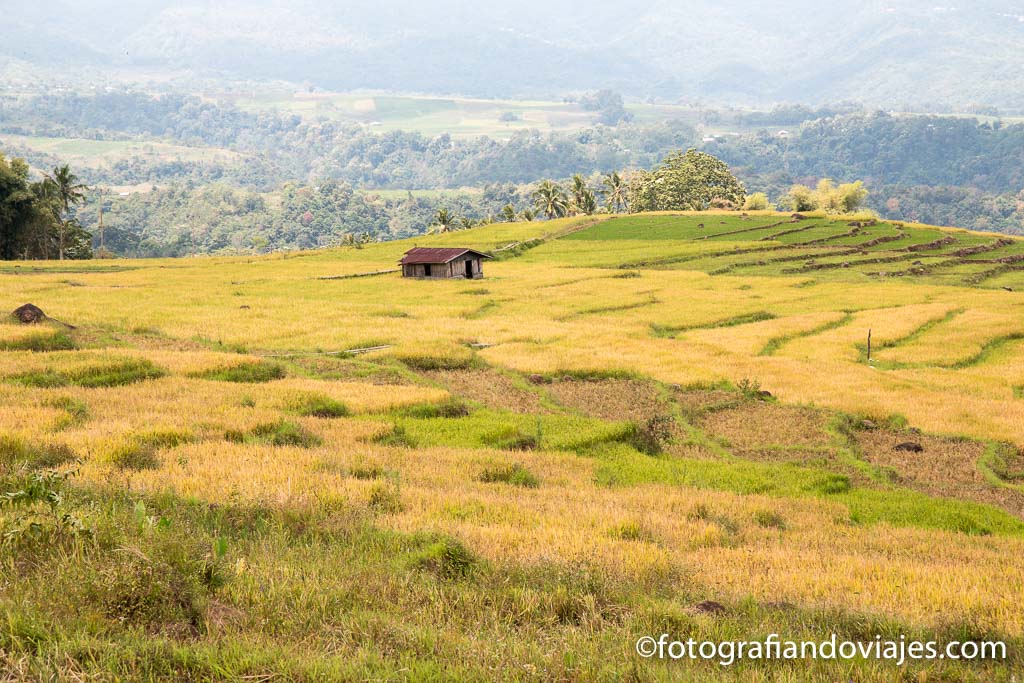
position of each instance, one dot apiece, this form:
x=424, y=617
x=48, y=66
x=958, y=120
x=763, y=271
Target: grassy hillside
x=627, y=417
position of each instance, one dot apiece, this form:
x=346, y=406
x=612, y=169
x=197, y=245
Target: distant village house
x=443, y=263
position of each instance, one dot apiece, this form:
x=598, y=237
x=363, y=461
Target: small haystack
x=29, y=314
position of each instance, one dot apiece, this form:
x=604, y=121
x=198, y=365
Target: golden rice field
x=629, y=416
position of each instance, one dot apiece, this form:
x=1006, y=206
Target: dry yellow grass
x=550, y=312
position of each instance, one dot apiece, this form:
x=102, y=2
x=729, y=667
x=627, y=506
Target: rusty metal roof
x=437, y=254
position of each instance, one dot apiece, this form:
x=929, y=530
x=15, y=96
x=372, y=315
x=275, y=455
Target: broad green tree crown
x=688, y=181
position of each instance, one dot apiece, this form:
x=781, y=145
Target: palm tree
x=508, y=212
x=587, y=203
x=68, y=192
x=444, y=221
x=614, y=191
x=579, y=193
x=550, y=199
x=528, y=215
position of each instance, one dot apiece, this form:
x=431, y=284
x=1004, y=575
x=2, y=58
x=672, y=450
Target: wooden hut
x=443, y=263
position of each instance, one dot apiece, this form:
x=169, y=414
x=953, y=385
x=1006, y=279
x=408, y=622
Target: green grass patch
x=623, y=466
x=770, y=520
x=502, y=430
x=632, y=531
x=318, y=405
x=281, y=433
x=165, y=437
x=450, y=407
x=446, y=557
x=742, y=319
x=106, y=375
x=245, y=373
x=76, y=412
x=427, y=363
x=40, y=342
x=514, y=474
x=15, y=451
x=132, y=455
x=366, y=472
x=396, y=436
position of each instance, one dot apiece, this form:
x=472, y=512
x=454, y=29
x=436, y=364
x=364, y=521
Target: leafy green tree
x=757, y=201
x=17, y=207
x=688, y=181
x=851, y=196
x=550, y=199
x=827, y=196
x=640, y=192
x=614, y=191
x=800, y=198
x=36, y=220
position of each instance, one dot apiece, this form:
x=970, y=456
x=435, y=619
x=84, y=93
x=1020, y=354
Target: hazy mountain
x=883, y=53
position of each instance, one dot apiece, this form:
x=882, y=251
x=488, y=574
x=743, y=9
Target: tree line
x=684, y=181
x=37, y=219
x=974, y=171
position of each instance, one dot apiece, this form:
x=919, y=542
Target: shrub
x=15, y=451
x=385, y=498
x=700, y=512
x=769, y=519
x=757, y=201
x=512, y=440
x=76, y=411
x=365, y=472
x=132, y=588
x=632, y=531
x=446, y=557
x=751, y=390
x=133, y=455
x=514, y=474
x=653, y=435
x=397, y=435
x=245, y=373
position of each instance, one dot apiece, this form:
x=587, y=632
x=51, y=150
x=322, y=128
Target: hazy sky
x=794, y=49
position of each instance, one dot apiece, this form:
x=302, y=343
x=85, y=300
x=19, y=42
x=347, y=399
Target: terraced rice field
x=626, y=418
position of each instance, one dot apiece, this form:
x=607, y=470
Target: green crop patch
x=92, y=376
x=245, y=373
x=40, y=342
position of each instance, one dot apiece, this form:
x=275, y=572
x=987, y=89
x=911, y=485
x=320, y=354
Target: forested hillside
x=219, y=177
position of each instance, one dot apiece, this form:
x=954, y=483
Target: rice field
x=628, y=417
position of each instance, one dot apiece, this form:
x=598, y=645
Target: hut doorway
x=469, y=270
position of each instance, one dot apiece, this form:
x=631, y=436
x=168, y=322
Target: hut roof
x=437, y=254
